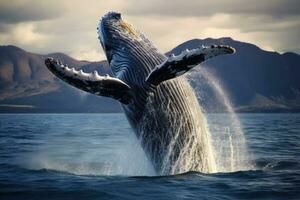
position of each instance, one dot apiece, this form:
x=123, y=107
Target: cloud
x=167, y=32
x=69, y=26
x=54, y=26
x=15, y=11
x=208, y=8
x=23, y=34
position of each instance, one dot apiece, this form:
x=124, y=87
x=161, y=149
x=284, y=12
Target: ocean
x=97, y=156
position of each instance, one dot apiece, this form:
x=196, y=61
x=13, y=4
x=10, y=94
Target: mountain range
x=252, y=80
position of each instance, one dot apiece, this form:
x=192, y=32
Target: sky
x=69, y=26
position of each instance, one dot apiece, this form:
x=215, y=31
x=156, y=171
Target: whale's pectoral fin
x=91, y=82
x=175, y=66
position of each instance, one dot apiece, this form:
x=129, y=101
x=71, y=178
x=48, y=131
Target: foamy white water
x=223, y=145
x=229, y=143
x=90, y=147
x=182, y=139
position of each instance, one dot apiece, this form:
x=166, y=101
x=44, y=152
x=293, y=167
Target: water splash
x=127, y=159
x=230, y=148
x=183, y=142
x=212, y=146
x=78, y=146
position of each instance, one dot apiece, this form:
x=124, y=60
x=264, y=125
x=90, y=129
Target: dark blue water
x=96, y=156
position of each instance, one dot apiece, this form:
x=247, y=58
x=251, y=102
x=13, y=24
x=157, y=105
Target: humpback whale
x=158, y=102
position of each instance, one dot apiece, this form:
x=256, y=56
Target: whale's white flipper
x=91, y=82
x=175, y=66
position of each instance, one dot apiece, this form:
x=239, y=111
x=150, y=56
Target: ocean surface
x=97, y=156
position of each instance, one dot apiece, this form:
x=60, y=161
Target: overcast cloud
x=69, y=26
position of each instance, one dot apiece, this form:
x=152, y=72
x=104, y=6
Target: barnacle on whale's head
x=129, y=28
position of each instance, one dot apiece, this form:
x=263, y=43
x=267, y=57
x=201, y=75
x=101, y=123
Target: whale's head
x=116, y=35
x=122, y=43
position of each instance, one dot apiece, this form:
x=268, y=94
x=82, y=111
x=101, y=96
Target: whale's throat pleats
x=168, y=121
x=131, y=55
x=136, y=59
x=132, y=60
x=173, y=130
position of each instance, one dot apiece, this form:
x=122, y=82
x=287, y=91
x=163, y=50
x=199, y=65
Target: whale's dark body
x=164, y=114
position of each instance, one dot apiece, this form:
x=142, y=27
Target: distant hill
x=254, y=79
x=26, y=85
